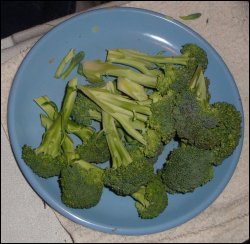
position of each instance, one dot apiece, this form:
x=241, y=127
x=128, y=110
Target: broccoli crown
x=42, y=164
x=125, y=180
x=151, y=199
x=85, y=110
x=81, y=185
x=228, y=130
x=95, y=150
x=161, y=119
x=153, y=139
x=194, y=123
x=187, y=168
x=197, y=56
x=136, y=150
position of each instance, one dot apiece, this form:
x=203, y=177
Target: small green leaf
x=191, y=16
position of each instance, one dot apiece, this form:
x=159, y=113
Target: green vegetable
x=151, y=199
x=63, y=63
x=85, y=110
x=76, y=60
x=186, y=169
x=124, y=110
x=47, y=160
x=81, y=184
x=94, y=150
x=191, y=16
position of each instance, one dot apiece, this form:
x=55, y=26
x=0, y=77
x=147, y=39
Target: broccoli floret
x=126, y=174
x=204, y=125
x=153, y=144
x=196, y=56
x=125, y=180
x=161, y=119
x=47, y=159
x=95, y=150
x=81, y=184
x=228, y=131
x=195, y=122
x=187, y=168
x=85, y=110
x=151, y=199
x=43, y=164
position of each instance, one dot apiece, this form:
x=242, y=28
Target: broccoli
x=161, y=119
x=215, y=126
x=164, y=69
x=129, y=113
x=151, y=199
x=187, y=168
x=194, y=120
x=95, y=150
x=84, y=110
x=126, y=175
x=153, y=139
x=131, y=89
x=81, y=184
x=74, y=61
x=82, y=132
x=148, y=152
x=48, y=159
x=228, y=131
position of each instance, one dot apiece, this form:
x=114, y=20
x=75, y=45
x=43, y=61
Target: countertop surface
x=26, y=218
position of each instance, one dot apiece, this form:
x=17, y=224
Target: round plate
x=94, y=32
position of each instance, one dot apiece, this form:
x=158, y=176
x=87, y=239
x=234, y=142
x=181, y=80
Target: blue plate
x=94, y=32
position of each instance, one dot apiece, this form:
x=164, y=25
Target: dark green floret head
x=81, y=185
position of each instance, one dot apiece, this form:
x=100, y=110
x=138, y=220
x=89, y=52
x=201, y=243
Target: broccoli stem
x=199, y=85
x=128, y=53
x=76, y=60
x=125, y=113
x=69, y=149
x=119, y=153
x=116, y=57
x=94, y=70
x=140, y=196
x=47, y=106
x=64, y=61
x=52, y=138
x=86, y=165
x=84, y=133
x=111, y=103
x=132, y=89
x=51, y=141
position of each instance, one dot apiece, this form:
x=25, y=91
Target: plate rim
x=100, y=227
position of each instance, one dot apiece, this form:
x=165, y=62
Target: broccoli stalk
x=94, y=70
x=132, y=89
x=124, y=110
x=47, y=159
x=129, y=55
x=64, y=61
x=74, y=61
x=50, y=108
x=119, y=154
